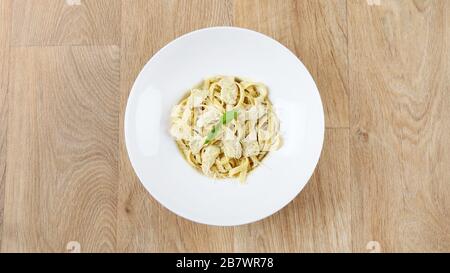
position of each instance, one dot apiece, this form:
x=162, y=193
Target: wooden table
x=383, y=71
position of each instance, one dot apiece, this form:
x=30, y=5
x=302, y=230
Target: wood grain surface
x=62, y=167
x=383, y=71
x=5, y=30
x=64, y=22
x=399, y=64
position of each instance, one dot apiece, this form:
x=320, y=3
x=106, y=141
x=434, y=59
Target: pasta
x=225, y=126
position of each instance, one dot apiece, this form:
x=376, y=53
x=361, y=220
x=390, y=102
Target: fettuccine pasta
x=225, y=126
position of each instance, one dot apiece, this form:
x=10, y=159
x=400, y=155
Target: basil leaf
x=213, y=133
x=226, y=118
x=229, y=116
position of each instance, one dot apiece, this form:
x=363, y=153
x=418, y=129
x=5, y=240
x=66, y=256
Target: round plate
x=185, y=62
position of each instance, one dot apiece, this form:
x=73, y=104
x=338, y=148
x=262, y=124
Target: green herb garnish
x=226, y=118
x=229, y=116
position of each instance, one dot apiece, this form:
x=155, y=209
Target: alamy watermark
x=73, y=247
x=73, y=2
x=373, y=247
x=373, y=2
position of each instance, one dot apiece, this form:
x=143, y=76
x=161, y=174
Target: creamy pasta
x=225, y=126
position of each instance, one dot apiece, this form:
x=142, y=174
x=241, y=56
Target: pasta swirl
x=225, y=126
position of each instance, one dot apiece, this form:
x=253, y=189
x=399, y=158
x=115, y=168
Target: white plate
x=182, y=64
